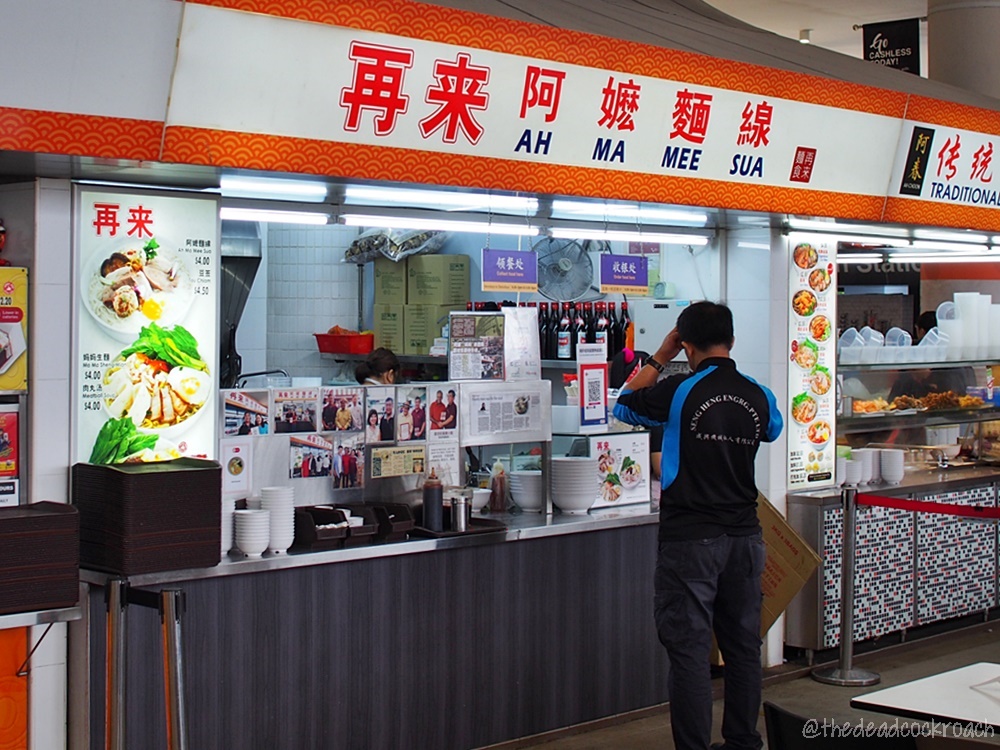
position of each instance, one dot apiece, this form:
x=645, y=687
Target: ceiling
x=831, y=22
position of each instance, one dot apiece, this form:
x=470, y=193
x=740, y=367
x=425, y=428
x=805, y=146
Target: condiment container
x=433, y=503
x=459, y=513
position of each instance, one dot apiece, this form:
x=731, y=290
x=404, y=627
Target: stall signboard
x=146, y=327
x=509, y=270
x=811, y=351
x=623, y=465
x=13, y=329
x=624, y=274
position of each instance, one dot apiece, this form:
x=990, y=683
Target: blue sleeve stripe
x=624, y=414
x=775, y=423
x=670, y=460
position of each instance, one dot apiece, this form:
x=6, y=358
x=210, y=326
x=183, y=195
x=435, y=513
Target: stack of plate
x=527, y=490
x=575, y=483
x=280, y=501
x=253, y=531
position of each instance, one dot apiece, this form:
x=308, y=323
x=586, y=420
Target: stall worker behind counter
x=918, y=383
x=711, y=550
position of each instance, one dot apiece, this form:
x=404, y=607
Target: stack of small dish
x=575, y=483
x=253, y=531
x=527, y=490
x=281, y=502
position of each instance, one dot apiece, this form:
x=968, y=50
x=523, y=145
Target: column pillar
x=962, y=44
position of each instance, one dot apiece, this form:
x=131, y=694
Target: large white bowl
x=574, y=503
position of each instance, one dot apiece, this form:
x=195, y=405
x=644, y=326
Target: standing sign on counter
x=623, y=465
x=811, y=350
x=13, y=329
x=592, y=374
x=146, y=325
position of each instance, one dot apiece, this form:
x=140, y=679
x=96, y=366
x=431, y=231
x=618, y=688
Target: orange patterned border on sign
x=950, y=114
x=356, y=161
x=933, y=213
x=467, y=29
x=13, y=690
x=79, y=135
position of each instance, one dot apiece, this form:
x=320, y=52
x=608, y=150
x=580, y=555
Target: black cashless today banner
x=895, y=44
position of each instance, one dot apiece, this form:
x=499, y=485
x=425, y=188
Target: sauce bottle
x=433, y=503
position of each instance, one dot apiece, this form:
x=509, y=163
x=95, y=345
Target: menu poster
x=294, y=409
x=397, y=461
x=521, y=348
x=245, y=412
x=494, y=413
x=348, y=460
x=476, y=346
x=380, y=414
x=13, y=329
x=811, y=365
x=411, y=416
x=342, y=409
x=623, y=465
x=443, y=459
x=310, y=456
x=146, y=324
x=442, y=412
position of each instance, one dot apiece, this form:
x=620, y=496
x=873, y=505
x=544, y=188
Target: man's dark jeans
x=704, y=585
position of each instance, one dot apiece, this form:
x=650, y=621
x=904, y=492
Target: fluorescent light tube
x=956, y=247
x=753, y=245
x=570, y=233
x=635, y=213
x=845, y=259
x=878, y=230
x=441, y=199
x=274, y=189
x=944, y=258
x=933, y=234
x=434, y=224
x=278, y=217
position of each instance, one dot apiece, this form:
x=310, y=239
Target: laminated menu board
x=812, y=348
x=13, y=329
x=146, y=326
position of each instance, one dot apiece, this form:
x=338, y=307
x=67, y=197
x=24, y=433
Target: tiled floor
x=798, y=693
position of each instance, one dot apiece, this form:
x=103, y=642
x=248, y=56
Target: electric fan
x=565, y=270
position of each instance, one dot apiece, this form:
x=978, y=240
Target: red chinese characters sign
x=139, y=220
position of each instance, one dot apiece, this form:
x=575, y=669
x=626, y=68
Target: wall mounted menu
x=146, y=326
x=812, y=347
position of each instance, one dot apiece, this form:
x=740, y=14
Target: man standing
x=450, y=413
x=711, y=554
x=437, y=411
x=419, y=419
x=387, y=425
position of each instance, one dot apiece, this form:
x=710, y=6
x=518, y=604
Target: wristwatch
x=654, y=364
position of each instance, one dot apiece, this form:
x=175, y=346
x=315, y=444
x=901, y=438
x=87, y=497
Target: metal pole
x=114, y=730
x=171, y=608
x=844, y=674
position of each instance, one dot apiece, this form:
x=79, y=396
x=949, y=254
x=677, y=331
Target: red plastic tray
x=337, y=343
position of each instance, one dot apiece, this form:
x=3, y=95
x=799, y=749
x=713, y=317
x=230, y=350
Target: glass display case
x=946, y=405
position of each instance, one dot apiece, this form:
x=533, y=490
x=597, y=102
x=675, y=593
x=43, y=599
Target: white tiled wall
x=309, y=290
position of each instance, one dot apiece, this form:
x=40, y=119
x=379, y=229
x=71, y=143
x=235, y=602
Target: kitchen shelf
x=41, y=617
x=935, y=418
x=882, y=366
x=426, y=359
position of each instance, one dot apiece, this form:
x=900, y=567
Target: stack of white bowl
x=869, y=468
x=253, y=531
x=892, y=465
x=840, y=471
x=575, y=483
x=228, y=508
x=853, y=472
x=281, y=502
x=527, y=490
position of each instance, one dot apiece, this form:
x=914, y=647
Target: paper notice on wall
x=506, y=412
x=444, y=460
x=522, y=357
x=236, y=456
x=397, y=461
x=476, y=346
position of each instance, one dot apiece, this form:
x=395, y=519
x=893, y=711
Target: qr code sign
x=593, y=394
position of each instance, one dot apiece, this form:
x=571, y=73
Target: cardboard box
x=437, y=279
x=389, y=326
x=421, y=325
x=390, y=281
x=790, y=564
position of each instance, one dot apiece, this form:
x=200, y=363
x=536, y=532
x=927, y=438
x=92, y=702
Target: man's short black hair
x=927, y=320
x=706, y=324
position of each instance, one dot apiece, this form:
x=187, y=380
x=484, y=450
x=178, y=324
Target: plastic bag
x=394, y=244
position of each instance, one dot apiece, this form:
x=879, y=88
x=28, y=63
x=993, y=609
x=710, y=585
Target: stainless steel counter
x=520, y=527
x=915, y=482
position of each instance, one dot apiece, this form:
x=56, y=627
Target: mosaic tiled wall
x=883, y=573
x=956, y=559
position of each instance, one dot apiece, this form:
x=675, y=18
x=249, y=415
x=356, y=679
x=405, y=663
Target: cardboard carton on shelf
x=389, y=326
x=422, y=325
x=437, y=279
x=390, y=281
